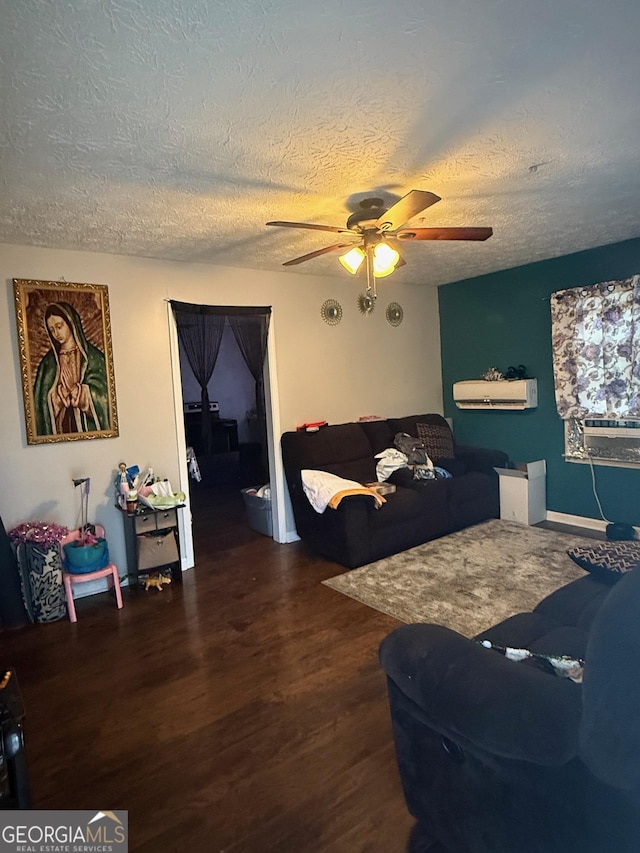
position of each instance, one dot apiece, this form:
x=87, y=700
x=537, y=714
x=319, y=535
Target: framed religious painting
x=66, y=360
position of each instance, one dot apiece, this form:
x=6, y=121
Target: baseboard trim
x=581, y=521
x=290, y=536
x=577, y=520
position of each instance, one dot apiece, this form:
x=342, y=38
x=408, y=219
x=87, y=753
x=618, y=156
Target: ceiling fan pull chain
x=371, y=289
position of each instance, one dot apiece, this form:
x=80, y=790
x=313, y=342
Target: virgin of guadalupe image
x=70, y=388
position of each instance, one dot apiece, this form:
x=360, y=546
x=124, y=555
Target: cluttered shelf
x=149, y=510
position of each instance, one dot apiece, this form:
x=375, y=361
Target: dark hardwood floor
x=244, y=711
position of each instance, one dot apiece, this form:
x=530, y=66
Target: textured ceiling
x=175, y=129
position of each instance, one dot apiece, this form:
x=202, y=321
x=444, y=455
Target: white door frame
x=272, y=411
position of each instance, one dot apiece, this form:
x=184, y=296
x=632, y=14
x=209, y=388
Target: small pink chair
x=110, y=571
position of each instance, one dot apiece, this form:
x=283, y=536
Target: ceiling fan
x=373, y=231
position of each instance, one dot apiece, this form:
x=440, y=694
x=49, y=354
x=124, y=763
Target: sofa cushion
x=341, y=449
x=437, y=440
x=409, y=424
x=523, y=630
x=564, y=640
x=436, y=489
x=379, y=434
x=401, y=505
x=575, y=603
x=610, y=734
x=482, y=459
x=455, y=467
x=473, y=498
x=607, y=561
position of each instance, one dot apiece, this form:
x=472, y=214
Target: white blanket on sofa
x=327, y=490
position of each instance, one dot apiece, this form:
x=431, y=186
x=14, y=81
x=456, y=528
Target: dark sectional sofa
x=500, y=756
x=356, y=532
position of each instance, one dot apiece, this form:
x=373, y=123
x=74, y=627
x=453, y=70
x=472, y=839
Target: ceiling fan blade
x=312, y=227
x=409, y=206
x=317, y=253
x=443, y=234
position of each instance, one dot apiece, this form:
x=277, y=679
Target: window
x=596, y=361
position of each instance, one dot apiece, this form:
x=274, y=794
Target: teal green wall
x=504, y=319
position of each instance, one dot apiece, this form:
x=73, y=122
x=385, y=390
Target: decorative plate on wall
x=366, y=303
x=331, y=312
x=394, y=314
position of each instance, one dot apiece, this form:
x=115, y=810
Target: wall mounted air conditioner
x=514, y=394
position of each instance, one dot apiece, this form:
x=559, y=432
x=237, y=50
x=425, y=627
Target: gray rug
x=468, y=580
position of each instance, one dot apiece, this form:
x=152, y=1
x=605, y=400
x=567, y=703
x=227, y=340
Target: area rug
x=468, y=580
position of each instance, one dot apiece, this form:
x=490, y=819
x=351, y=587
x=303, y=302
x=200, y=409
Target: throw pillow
x=607, y=561
x=437, y=439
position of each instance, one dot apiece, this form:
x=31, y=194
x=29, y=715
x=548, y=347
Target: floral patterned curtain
x=596, y=350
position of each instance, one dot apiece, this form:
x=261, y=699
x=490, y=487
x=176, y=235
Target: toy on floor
x=156, y=580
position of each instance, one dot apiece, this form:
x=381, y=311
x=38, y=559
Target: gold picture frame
x=66, y=360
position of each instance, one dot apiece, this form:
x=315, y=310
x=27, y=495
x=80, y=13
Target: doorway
x=269, y=458
x=235, y=456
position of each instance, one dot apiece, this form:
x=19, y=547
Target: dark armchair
x=497, y=756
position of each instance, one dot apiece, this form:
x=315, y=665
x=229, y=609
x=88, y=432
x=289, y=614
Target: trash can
x=36, y=545
x=41, y=576
x=258, y=504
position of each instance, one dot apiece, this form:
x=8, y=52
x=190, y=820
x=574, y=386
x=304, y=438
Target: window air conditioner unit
x=612, y=440
x=510, y=394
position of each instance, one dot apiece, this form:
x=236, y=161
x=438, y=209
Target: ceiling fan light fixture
x=385, y=260
x=352, y=259
x=377, y=230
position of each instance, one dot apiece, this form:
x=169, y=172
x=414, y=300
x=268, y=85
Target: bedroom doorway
x=236, y=449
x=235, y=456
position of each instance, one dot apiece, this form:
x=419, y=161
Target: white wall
x=337, y=373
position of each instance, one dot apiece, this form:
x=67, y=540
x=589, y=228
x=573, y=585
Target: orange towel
x=335, y=500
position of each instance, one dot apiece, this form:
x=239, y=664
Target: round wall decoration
x=366, y=303
x=394, y=314
x=331, y=312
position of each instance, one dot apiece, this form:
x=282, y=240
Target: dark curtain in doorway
x=200, y=333
x=251, y=331
x=200, y=329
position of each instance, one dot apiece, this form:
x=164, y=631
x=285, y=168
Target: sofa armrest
x=481, y=458
x=476, y=695
x=342, y=534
